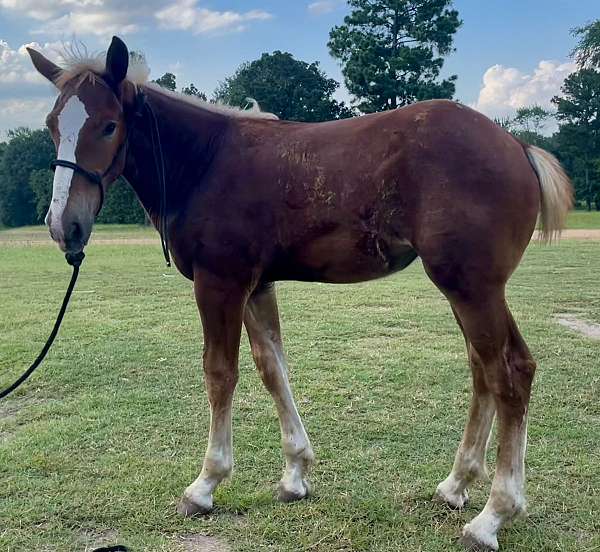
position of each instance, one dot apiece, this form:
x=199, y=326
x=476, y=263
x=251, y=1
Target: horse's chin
x=75, y=259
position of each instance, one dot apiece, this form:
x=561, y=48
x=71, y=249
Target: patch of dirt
x=201, y=543
x=42, y=238
x=579, y=234
x=95, y=539
x=9, y=408
x=99, y=241
x=586, y=329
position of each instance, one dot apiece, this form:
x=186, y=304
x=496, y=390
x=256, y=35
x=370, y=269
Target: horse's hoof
x=478, y=543
x=293, y=495
x=187, y=508
x=455, y=502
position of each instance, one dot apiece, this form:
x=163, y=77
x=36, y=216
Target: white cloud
x=99, y=18
x=96, y=23
x=25, y=96
x=16, y=67
x=186, y=15
x=102, y=18
x=505, y=89
x=322, y=7
x=28, y=112
x=13, y=69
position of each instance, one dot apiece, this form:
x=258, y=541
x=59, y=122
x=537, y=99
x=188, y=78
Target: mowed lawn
x=99, y=444
x=583, y=220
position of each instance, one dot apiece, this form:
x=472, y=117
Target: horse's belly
x=347, y=257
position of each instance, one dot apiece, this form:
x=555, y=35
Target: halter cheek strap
x=140, y=106
x=94, y=178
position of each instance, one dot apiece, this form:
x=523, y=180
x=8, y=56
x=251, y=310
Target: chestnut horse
x=251, y=200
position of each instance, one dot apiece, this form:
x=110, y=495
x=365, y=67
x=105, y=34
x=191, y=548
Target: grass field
x=101, y=442
x=583, y=220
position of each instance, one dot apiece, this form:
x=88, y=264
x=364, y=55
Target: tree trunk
x=588, y=187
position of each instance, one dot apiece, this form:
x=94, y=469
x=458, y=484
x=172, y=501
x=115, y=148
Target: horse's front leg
x=221, y=308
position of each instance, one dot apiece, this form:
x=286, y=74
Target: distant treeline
x=385, y=66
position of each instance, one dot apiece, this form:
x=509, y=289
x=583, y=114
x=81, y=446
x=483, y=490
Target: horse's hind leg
x=262, y=322
x=469, y=462
x=507, y=372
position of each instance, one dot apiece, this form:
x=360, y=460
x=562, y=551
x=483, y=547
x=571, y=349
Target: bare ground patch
x=196, y=542
x=99, y=241
x=578, y=325
x=9, y=412
x=11, y=407
x=94, y=539
x=578, y=234
x=8, y=239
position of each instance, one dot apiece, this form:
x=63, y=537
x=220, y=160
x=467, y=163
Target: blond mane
x=78, y=63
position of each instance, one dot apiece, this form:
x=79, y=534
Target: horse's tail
x=556, y=190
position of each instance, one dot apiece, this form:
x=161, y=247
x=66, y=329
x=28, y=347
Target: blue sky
x=508, y=52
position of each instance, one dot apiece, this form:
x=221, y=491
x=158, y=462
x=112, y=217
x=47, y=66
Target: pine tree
x=392, y=51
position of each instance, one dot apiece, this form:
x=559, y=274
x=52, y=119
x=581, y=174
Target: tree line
x=391, y=53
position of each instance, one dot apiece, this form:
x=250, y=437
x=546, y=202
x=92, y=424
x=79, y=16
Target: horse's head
x=87, y=125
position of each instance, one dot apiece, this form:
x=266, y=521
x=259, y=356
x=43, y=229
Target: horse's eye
x=109, y=129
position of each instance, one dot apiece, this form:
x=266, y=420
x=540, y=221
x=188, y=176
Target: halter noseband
x=95, y=178
x=92, y=177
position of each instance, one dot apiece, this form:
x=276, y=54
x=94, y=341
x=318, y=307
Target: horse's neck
x=188, y=138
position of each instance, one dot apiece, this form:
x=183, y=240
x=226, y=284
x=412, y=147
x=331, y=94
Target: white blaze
x=70, y=121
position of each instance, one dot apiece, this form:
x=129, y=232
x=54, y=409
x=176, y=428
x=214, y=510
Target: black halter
x=97, y=179
x=93, y=177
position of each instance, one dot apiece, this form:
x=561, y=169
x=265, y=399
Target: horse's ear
x=44, y=66
x=117, y=61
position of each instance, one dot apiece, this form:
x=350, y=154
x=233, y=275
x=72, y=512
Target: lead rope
x=159, y=162
x=75, y=262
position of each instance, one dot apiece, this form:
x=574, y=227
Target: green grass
x=585, y=220
x=110, y=430
x=101, y=231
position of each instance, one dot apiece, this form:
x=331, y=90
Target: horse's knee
x=511, y=379
x=221, y=379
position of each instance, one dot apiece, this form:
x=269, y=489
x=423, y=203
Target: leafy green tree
x=26, y=183
x=2, y=150
x=291, y=89
x=578, y=110
x=40, y=182
x=191, y=90
x=121, y=206
x=587, y=51
x=26, y=151
x=532, y=118
x=168, y=81
x=392, y=51
x=527, y=125
x=585, y=173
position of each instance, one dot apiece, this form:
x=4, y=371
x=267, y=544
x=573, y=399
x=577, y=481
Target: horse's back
x=436, y=175
x=360, y=198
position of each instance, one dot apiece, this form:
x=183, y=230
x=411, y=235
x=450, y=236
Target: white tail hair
x=556, y=191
